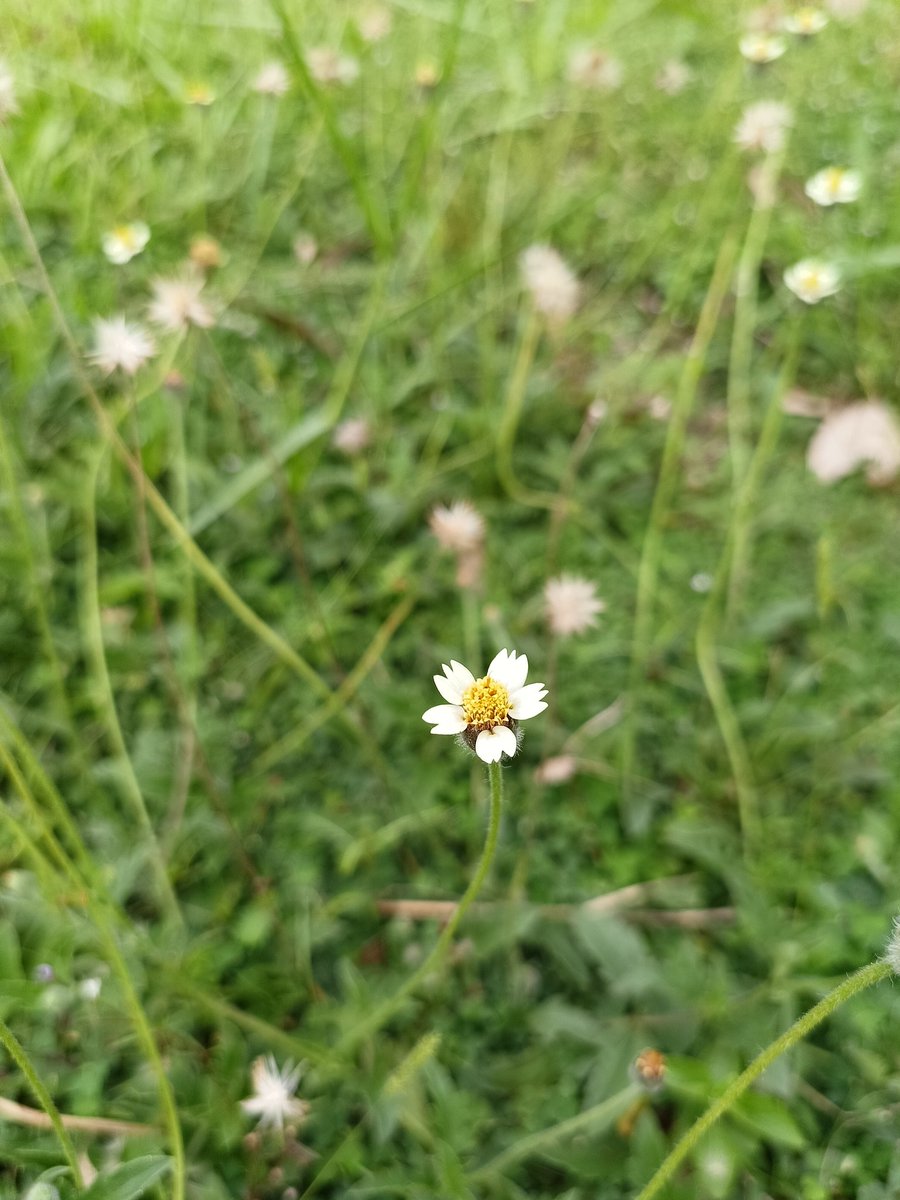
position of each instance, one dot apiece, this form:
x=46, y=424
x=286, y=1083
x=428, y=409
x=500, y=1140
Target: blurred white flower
x=761, y=47
x=199, y=93
x=120, y=245
x=458, y=527
x=763, y=126
x=326, y=65
x=9, y=104
x=352, y=436
x=846, y=10
x=120, y=346
x=553, y=287
x=673, y=77
x=834, y=185
x=306, y=248
x=806, y=21
x=274, y=1100
x=486, y=711
x=701, y=582
x=812, y=280
x=273, y=79
x=571, y=604
x=176, y=304
x=556, y=770
x=591, y=67
x=374, y=24
x=659, y=407
x=863, y=434
x=89, y=989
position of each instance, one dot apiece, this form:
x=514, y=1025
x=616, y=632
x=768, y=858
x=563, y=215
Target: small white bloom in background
x=272, y=79
x=659, y=408
x=673, y=77
x=199, y=94
x=553, y=287
x=352, y=436
x=812, y=280
x=306, y=248
x=120, y=346
x=806, y=21
x=553, y=771
x=763, y=126
x=120, y=245
x=701, y=582
x=374, y=24
x=834, y=185
x=591, y=67
x=598, y=411
x=327, y=66
x=799, y=403
x=846, y=10
x=176, y=304
x=274, y=1100
x=761, y=47
x=458, y=527
x=571, y=605
x=764, y=19
x=863, y=434
x=9, y=104
x=89, y=989
x=486, y=711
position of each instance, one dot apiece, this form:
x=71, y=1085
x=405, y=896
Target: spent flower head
x=571, y=605
x=120, y=245
x=763, y=126
x=486, y=711
x=834, y=185
x=458, y=526
x=272, y=79
x=649, y=1069
x=553, y=287
x=761, y=48
x=591, y=67
x=352, y=436
x=374, y=24
x=812, y=280
x=120, y=345
x=673, y=77
x=327, y=66
x=274, y=1099
x=863, y=434
x=176, y=304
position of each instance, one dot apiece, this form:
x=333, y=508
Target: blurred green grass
x=277, y=864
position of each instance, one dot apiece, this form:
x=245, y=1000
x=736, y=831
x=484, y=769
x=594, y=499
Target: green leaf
x=130, y=1180
x=770, y=1118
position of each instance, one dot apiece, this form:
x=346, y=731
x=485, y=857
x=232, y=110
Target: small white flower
x=701, y=582
x=834, y=185
x=486, y=711
x=812, y=280
x=553, y=771
x=673, y=77
x=591, y=67
x=9, y=104
x=352, y=436
x=272, y=80
x=761, y=47
x=374, y=24
x=306, y=248
x=120, y=245
x=763, y=126
x=553, y=287
x=458, y=527
x=571, y=605
x=328, y=66
x=120, y=346
x=176, y=304
x=846, y=10
x=806, y=21
x=89, y=989
x=863, y=434
x=273, y=1099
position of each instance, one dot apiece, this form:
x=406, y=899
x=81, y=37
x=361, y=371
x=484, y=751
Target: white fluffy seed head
x=458, y=527
x=571, y=605
x=553, y=286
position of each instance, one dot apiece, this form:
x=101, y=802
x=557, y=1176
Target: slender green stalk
x=662, y=498
x=512, y=411
x=96, y=655
x=595, y=1119
x=61, y=858
x=25, y=1065
x=385, y=1011
x=858, y=982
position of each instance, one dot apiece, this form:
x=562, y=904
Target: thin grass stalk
x=852, y=986
x=512, y=412
x=17, y=1053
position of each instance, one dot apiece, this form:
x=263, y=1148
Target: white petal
x=509, y=670
x=527, y=701
x=449, y=688
x=498, y=665
x=492, y=743
x=447, y=718
x=460, y=674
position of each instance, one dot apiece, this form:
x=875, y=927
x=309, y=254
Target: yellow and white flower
x=761, y=47
x=486, y=711
x=834, y=185
x=812, y=280
x=806, y=21
x=120, y=245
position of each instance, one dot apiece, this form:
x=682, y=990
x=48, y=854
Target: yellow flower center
x=485, y=703
x=126, y=236
x=834, y=178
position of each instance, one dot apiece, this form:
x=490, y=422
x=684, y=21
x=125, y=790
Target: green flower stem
x=858, y=982
x=596, y=1119
x=512, y=411
x=24, y=1063
x=385, y=1011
